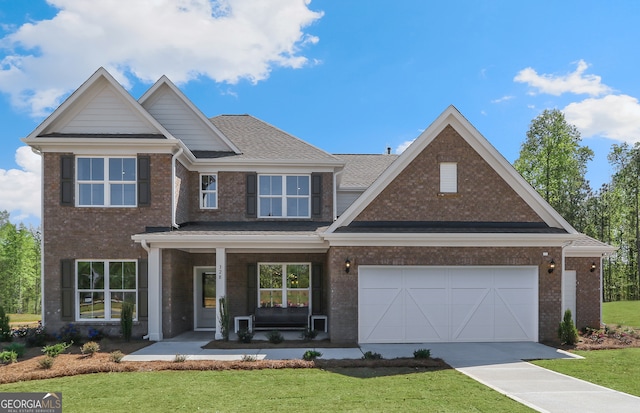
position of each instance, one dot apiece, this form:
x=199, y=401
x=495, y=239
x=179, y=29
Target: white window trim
x=284, y=197
x=203, y=192
x=106, y=183
x=284, y=288
x=107, y=292
x=448, y=177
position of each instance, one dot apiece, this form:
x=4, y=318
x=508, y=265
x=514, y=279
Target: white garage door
x=446, y=304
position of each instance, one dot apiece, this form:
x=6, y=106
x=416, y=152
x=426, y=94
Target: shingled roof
x=361, y=170
x=261, y=141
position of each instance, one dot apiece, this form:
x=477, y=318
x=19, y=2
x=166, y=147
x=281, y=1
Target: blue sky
x=347, y=76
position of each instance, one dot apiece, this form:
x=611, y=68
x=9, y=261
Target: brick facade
x=343, y=287
x=482, y=194
x=95, y=233
x=588, y=291
x=231, y=198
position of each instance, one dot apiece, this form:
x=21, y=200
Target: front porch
x=185, y=287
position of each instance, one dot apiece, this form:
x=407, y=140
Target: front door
x=204, y=298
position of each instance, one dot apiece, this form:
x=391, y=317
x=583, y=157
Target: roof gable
x=405, y=187
x=100, y=106
x=169, y=106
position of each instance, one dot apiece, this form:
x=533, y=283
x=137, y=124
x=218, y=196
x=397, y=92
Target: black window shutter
x=67, y=290
x=252, y=195
x=252, y=289
x=143, y=285
x=67, y=189
x=317, y=298
x=144, y=180
x=316, y=195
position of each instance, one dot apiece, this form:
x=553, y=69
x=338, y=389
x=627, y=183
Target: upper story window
x=106, y=181
x=285, y=196
x=448, y=177
x=209, y=191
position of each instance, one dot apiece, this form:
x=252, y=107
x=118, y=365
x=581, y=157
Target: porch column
x=155, y=294
x=221, y=286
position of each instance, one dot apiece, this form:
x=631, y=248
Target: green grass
x=20, y=319
x=616, y=369
x=300, y=390
x=625, y=313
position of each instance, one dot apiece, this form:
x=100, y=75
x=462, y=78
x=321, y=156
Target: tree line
x=554, y=161
x=20, y=255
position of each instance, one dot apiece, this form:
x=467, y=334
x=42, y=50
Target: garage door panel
x=436, y=304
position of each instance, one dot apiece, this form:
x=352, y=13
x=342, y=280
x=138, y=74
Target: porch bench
x=281, y=317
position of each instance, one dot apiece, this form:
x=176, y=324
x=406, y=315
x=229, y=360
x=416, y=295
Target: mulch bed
x=73, y=363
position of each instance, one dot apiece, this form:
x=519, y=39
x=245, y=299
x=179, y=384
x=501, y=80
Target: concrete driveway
x=501, y=367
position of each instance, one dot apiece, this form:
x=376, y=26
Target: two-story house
x=149, y=201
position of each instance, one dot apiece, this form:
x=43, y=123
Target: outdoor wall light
x=347, y=265
x=593, y=267
x=552, y=266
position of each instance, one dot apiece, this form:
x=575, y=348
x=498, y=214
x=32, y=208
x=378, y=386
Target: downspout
x=42, y=290
x=335, y=193
x=174, y=224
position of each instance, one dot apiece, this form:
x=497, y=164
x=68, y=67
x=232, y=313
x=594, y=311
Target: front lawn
x=300, y=390
x=23, y=319
x=616, y=369
x=624, y=313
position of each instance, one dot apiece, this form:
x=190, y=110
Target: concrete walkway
x=499, y=366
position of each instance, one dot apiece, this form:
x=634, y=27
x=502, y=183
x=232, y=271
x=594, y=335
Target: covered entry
x=447, y=304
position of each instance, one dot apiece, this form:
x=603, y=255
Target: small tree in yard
x=126, y=320
x=567, y=331
x=5, y=327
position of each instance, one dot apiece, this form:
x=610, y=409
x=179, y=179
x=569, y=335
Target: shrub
x=116, y=356
x=371, y=356
x=7, y=357
x=180, y=358
x=245, y=336
x=95, y=334
x=5, y=327
x=46, y=363
x=567, y=331
x=16, y=348
x=311, y=355
x=55, y=349
x=36, y=337
x=224, y=319
x=423, y=353
x=90, y=348
x=275, y=337
x=126, y=320
x=69, y=334
x=308, y=334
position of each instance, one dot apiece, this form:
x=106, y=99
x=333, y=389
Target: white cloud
x=613, y=116
x=503, y=99
x=576, y=82
x=20, y=188
x=403, y=146
x=225, y=40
